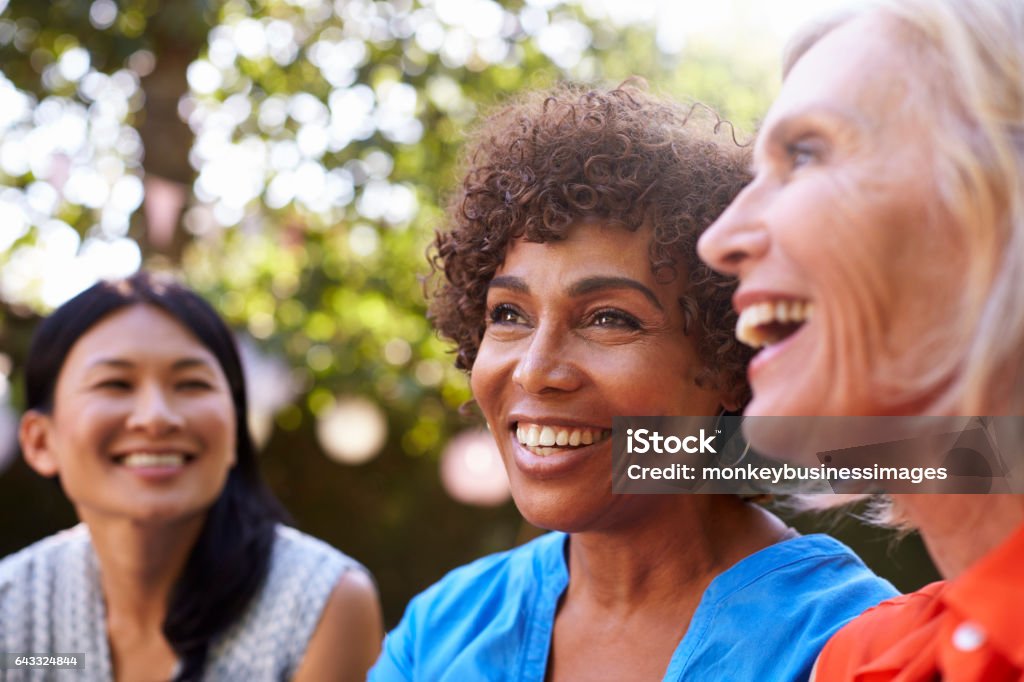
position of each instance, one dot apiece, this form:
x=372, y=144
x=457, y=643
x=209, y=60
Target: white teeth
x=782, y=312
x=545, y=440
x=149, y=459
x=755, y=316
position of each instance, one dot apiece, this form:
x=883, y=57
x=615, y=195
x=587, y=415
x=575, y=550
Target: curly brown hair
x=542, y=163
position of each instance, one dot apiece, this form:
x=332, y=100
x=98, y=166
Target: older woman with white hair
x=889, y=201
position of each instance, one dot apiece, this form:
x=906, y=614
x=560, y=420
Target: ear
x=730, y=404
x=36, y=438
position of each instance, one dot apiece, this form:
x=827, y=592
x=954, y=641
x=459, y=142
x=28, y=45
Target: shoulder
x=352, y=608
x=304, y=565
x=354, y=597
x=351, y=616
x=816, y=564
x=295, y=548
x=305, y=576
x=479, y=614
x=493, y=578
x=864, y=638
x=51, y=585
x=304, y=572
x=904, y=609
x=43, y=556
x=824, y=582
x=788, y=598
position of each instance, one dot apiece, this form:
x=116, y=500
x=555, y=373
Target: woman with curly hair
x=572, y=288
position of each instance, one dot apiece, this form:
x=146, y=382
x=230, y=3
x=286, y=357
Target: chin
x=550, y=511
x=167, y=513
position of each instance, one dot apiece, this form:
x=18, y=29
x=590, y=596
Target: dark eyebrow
x=186, y=363
x=507, y=282
x=582, y=287
x=599, y=283
x=113, y=362
x=121, y=363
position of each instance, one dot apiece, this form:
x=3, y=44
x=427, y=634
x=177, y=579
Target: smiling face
x=580, y=331
x=850, y=274
x=143, y=423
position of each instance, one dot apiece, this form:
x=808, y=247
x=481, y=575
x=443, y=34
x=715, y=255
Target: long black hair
x=231, y=557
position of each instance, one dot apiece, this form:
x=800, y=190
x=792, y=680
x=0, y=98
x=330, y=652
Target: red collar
x=991, y=594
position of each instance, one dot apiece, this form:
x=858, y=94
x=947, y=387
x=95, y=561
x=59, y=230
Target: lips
x=548, y=439
x=769, y=322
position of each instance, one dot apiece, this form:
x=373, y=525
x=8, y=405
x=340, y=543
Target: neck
x=960, y=529
x=139, y=565
x=681, y=543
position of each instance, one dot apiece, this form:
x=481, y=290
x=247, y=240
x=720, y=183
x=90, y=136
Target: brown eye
x=194, y=385
x=115, y=385
x=506, y=314
x=612, y=318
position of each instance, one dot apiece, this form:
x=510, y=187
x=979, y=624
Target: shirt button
x=968, y=637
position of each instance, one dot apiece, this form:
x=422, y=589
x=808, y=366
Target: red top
x=970, y=629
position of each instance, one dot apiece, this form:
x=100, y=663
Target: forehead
x=138, y=333
x=588, y=244
x=859, y=72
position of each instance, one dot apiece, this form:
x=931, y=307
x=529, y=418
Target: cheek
x=478, y=379
x=655, y=380
x=851, y=240
x=214, y=421
x=89, y=425
x=484, y=378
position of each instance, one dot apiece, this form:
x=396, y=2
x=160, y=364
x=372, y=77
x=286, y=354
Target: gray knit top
x=51, y=602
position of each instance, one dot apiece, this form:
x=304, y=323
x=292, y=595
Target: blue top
x=765, y=618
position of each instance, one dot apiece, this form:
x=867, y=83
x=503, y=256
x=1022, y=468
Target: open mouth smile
x=148, y=460
x=770, y=322
x=549, y=439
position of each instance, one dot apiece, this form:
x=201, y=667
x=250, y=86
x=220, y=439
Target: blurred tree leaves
x=313, y=144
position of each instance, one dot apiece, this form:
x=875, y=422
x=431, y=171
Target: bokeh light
x=472, y=471
x=352, y=430
x=270, y=387
x=69, y=181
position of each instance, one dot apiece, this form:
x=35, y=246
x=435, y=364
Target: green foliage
x=325, y=141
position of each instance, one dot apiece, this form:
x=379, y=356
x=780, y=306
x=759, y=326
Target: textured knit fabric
x=764, y=619
x=51, y=602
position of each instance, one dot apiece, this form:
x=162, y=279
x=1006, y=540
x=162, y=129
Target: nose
x=738, y=238
x=153, y=413
x=544, y=365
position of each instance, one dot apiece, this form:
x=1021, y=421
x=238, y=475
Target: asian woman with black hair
x=181, y=568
